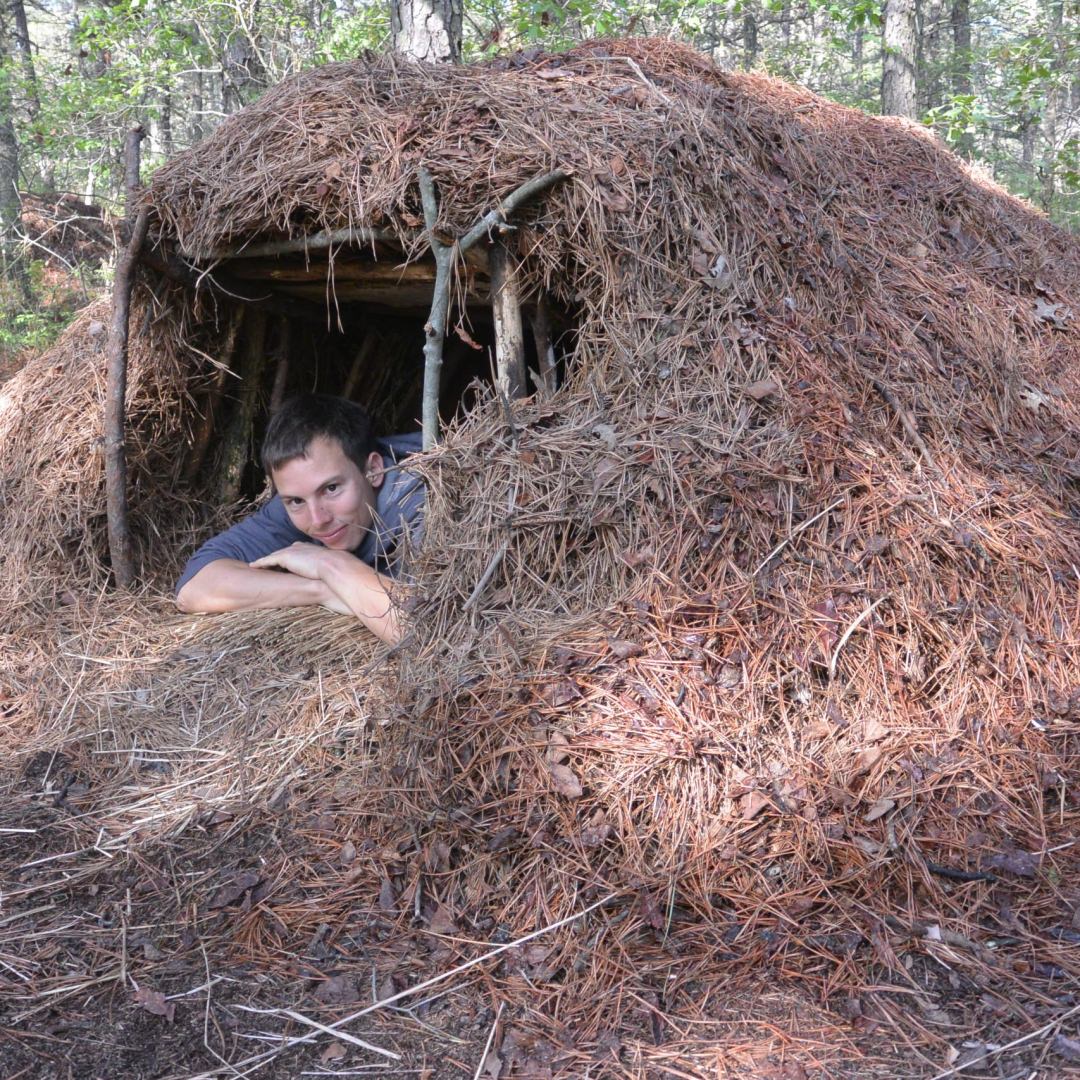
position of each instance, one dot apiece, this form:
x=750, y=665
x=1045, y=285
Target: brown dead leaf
x=235, y=889
x=873, y=729
x=333, y=171
x=566, y=783
x=753, y=802
x=617, y=165
x=867, y=759
x=562, y=692
x=153, y=1001
x=557, y=748
x=466, y=337
x=347, y=853
x=442, y=922
x=624, y=650
x=879, y=809
x=387, y=901
x=334, y=1052
x=763, y=388
x=337, y=990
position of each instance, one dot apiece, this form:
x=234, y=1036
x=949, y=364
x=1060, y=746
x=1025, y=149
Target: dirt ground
x=118, y=972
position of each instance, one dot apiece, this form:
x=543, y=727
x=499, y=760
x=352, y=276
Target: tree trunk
x=962, y=85
x=26, y=58
x=427, y=30
x=750, y=35
x=1048, y=170
x=12, y=264
x=898, y=65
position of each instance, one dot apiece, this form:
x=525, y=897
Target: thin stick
x=795, y=532
x=435, y=327
x=1008, y=1046
x=300, y=1018
x=258, y=1060
x=116, y=379
x=908, y=423
x=492, y=566
x=318, y=242
x=490, y=1040
x=851, y=630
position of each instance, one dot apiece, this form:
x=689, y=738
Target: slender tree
x=11, y=261
x=962, y=85
x=898, y=64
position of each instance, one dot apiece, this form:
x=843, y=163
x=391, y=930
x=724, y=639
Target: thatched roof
x=779, y=648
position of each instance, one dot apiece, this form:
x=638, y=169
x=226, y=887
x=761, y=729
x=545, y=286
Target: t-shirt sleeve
x=267, y=530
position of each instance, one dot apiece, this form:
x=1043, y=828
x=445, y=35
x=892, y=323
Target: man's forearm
x=230, y=585
x=364, y=591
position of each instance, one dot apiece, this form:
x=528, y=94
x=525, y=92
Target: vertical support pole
x=281, y=372
x=135, y=136
x=509, y=335
x=359, y=365
x=237, y=448
x=116, y=504
x=545, y=346
x=212, y=404
x=435, y=327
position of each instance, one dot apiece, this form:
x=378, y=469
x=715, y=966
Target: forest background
x=998, y=80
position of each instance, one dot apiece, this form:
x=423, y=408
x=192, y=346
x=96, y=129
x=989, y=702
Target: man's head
x=320, y=453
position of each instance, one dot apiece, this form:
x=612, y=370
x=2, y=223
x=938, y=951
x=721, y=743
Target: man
x=343, y=513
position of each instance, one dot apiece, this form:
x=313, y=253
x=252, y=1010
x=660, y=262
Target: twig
x=258, y=1060
x=795, y=532
x=908, y=423
x=490, y=1040
x=300, y=1018
x=487, y=575
x=960, y=875
x=317, y=242
x=115, y=456
x=445, y=254
x=851, y=630
x=995, y=1050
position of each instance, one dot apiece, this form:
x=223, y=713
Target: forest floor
x=114, y=974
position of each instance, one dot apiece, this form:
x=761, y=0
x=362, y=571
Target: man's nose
x=320, y=514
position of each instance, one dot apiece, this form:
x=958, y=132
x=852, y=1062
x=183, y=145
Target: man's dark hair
x=311, y=416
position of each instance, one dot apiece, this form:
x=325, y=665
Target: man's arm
x=230, y=585
x=348, y=581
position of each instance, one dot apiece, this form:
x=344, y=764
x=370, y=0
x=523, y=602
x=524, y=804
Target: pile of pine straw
x=780, y=651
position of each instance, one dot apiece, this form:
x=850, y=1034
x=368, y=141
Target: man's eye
x=331, y=488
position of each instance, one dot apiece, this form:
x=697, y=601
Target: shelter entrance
x=351, y=322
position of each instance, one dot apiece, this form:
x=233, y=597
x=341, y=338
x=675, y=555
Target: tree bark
x=898, y=65
x=237, y=449
x=506, y=309
x=25, y=50
x=131, y=166
x=427, y=30
x=116, y=505
x=962, y=84
x=12, y=263
x=212, y=404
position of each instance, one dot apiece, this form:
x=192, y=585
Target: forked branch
x=445, y=254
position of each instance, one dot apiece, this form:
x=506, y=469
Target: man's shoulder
x=401, y=446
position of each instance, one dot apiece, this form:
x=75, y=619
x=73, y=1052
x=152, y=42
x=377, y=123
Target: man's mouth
x=327, y=538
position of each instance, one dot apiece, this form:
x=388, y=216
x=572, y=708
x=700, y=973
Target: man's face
x=328, y=496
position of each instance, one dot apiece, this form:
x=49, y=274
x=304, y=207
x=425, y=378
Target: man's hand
x=313, y=575
x=305, y=560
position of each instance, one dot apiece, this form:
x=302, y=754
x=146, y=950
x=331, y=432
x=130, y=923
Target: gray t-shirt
x=399, y=514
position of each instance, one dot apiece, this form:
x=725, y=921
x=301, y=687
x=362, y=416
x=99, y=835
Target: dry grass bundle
x=777, y=646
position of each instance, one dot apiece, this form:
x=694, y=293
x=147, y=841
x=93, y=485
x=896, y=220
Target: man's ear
x=374, y=469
